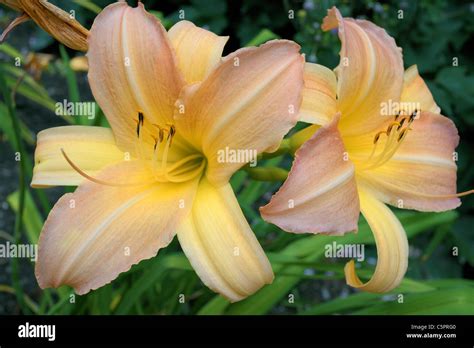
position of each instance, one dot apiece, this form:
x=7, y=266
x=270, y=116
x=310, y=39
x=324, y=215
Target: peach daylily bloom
x=360, y=159
x=173, y=103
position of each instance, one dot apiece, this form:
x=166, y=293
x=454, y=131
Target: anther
x=413, y=116
x=389, y=129
x=171, y=133
x=402, y=133
x=161, y=135
x=156, y=143
x=377, y=136
x=140, y=122
x=402, y=121
x=172, y=130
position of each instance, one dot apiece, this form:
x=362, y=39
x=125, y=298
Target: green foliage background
x=433, y=35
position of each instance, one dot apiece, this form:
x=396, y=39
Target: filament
x=394, y=139
x=99, y=181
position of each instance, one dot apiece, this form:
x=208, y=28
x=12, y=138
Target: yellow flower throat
x=185, y=168
x=395, y=133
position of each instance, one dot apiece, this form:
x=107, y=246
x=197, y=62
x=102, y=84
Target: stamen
x=190, y=174
x=140, y=126
x=402, y=134
x=377, y=136
x=389, y=129
x=98, y=181
x=401, y=123
x=140, y=123
x=413, y=116
x=455, y=195
x=394, y=139
x=179, y=171
x=183, y=161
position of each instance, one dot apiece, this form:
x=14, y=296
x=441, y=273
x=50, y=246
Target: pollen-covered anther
x=377, y=136
x=140, y=123
x=182, y=170
x=402, y=134
x=395, y=133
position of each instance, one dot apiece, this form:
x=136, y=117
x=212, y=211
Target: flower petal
x=132, y=68
x=198, y=50
x=99, y=231
x=370, y=72
x=319, y=95
x=248, y=103
x=416, y=91
x=422, y=168
x=220, y=245
x=91, y=148
x=392, y=247
x=320, y=194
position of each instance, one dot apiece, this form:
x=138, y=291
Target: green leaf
x=32, y=220
x=263, y=36
x=214, y=307
x=154, y=271
x=11, y=51
x=438, y=302
x=462, y=231
x=87, y=4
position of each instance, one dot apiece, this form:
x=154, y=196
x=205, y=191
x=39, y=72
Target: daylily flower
x=361, y=159
x=173, y=102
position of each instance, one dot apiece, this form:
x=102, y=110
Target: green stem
x=299, y=138
x=285, y=147
x=21, y=188
x=267, y=173
x=291, y=144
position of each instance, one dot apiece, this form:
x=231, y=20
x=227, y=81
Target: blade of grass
x=28, y=301
x=439, y=235
x=73, y=87
x=89, y=5
x=364, y=299
x=438, y=302
x=21, y=188
x=32, y=220
x=263, y=36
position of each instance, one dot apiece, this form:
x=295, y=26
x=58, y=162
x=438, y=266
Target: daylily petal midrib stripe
x=335, y=182
x=229, y=288
x=235, y=109
x=252, y=262
x=369, y=78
